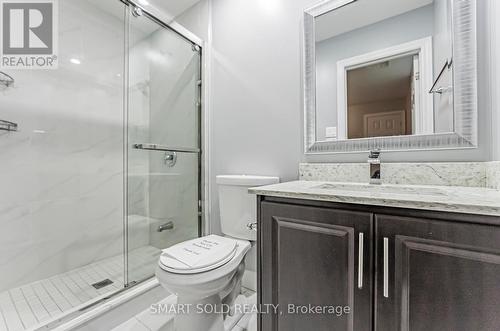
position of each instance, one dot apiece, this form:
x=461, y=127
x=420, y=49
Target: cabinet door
x=436, y=275
x=315, y=257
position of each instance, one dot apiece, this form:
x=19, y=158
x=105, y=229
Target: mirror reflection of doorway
x=390, y=123
x=381, y=98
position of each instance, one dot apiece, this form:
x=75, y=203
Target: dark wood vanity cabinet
x=396, y=269
x=315, y=256
x=437, y=275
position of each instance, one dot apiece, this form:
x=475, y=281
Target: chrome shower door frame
x=161, y=19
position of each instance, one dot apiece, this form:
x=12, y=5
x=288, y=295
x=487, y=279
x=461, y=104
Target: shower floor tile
x=30, y=305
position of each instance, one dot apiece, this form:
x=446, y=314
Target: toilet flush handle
x=252, y=226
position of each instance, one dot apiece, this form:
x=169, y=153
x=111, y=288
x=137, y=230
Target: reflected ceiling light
x=75, y=61
x=270, y=6
x=143, y=2
x=157, y=57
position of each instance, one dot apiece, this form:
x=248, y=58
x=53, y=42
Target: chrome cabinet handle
x=386, y=267
x=360, y=259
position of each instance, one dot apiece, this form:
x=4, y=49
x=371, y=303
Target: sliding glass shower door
x=163, y=180
x=100, y=169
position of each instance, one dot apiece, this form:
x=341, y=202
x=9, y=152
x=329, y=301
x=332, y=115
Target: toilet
x=206, y=272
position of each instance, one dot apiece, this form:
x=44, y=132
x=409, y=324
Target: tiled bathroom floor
x=146, y=321
x=27, y=306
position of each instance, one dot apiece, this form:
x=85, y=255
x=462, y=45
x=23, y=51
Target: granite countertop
x=469, y=200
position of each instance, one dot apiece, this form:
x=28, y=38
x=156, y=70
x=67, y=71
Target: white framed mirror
x=390, y=74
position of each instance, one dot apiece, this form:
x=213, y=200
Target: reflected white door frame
x=424, y=120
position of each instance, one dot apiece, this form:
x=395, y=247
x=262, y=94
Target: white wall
x=255, y=89
x=255, y=93
x=495, y=75
x=442, y=49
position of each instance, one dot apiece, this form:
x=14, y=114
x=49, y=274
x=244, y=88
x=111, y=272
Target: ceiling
x=362, y=13
x=173, y=8
x=170, y=8
x=377, y=82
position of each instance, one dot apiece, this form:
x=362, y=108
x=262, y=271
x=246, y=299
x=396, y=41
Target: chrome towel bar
x=162, y=148
x=6, y=79
x=8, y=126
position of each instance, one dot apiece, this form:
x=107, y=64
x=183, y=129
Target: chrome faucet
x=374, y=160
x=167, y=226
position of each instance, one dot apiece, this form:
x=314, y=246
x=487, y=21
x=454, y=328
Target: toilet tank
x=237, y=206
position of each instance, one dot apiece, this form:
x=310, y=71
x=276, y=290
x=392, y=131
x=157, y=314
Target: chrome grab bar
x=8, y=126
x=162, y=148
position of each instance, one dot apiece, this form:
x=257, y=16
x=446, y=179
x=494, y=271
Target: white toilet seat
x=192, y=282
x=200, y=270
x=200, y=255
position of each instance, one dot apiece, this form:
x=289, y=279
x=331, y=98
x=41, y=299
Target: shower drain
x=102, y=283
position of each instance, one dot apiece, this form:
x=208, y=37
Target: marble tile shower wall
x=61, y=194
x=470, y=174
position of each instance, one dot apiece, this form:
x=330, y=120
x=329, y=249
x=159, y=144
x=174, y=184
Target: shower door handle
x=162, y=148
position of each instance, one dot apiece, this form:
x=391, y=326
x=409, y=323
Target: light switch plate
x=331, y=132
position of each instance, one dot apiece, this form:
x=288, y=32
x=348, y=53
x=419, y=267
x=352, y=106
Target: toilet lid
x=198, y=255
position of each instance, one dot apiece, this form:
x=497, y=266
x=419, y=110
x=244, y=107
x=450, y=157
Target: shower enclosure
x=102, y=169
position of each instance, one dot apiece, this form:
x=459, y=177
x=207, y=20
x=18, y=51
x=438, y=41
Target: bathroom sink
x=387, y=189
